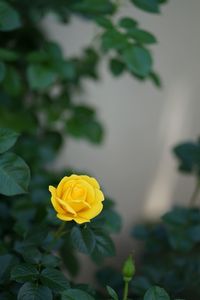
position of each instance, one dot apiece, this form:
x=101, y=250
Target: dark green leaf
x=155, y=79
x=54, y=279
x=156, y=293
x=142, y=36
x=7, y=139
x=138, y=60
x=147, y=5
x=33, y=291
x=112, y=293
x=6, y=262
x=83, y=239
x=2, y=71
x=12, y=82
x=9, y=17
x=14, y=175
x=24, y=272
x=104, y=245
x=49, y=260
x=127, y=23
x=76, y=294
x=116, y=66
x=8, y=55
x=40, y=77
x=104, y=22
x=93, y=7
x=113, y=39
x=194, y=233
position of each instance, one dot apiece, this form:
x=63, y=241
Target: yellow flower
x=78, y=198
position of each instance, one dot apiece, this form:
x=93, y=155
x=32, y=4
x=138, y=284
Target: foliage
x=171, y=247
x=38, y=85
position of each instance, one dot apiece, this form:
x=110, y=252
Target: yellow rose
x=78, y=198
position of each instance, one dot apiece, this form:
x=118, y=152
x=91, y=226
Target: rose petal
x=92, y=212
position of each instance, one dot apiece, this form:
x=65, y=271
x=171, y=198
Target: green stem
x=125, y=296
x=60, y=231
x=195, y=193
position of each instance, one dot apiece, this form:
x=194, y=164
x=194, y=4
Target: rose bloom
x=78, y=198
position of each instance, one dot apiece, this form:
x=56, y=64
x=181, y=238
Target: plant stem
x=125, y=296
x=59, y=232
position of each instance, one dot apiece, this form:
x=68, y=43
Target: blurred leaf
x=112, y=293
x=69, y=258
x=104, y=22
x=14, y=175
x=40, y=77
x=34, y=291
x=140, y=285
x=2, y=71
x=113, y=39
x=93, y=7
x=54, y=279
x=127, y=23
x=7, y=139
x=155, y=79
x=188, y=155
x=12, y=82
x=20, y=122
x=9, y=17
x=32, y=255
x=116, y=66
x=138, y=60
x=24, y=272
x=6, y=262
x=8, y=55
x=142, y=36
x=83, y=239
x=76, y=294
x=156, y=293
x=151, y=6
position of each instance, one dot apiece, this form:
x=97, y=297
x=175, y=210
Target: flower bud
x=128, y=269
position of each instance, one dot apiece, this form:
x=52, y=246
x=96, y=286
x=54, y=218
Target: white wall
x=135, y=165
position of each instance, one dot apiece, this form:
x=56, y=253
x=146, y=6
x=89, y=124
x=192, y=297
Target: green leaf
x=194, y=233
x=112, y=293
x=87, y=128
x=40, y=77
x=54, y=279
x=155, y=78
x=76, y=294
x=142, y=36
x=9, y=17
x=83, y=239
x=14, y=175
x=24, y=272
x=7, y=139
x=156, y=293
x=2, y=71
x=93, y=7
x=116, y=66
x=6, y=262
x=113, y=39
x=104, y=245
x=138, y=60
x=127, y=23
x=104, y=22
x=8, y=55
x=12, y=82
x=188, y=155
x=151, y=6
x=33, y=291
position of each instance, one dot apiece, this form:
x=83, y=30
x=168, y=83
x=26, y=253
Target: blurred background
x=135, y=164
